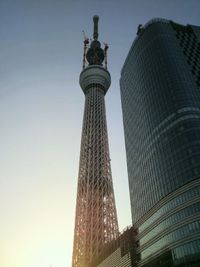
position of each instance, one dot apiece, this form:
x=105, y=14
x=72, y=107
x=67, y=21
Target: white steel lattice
x=96, y=219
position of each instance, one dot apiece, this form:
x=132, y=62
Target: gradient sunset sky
x=41, y=112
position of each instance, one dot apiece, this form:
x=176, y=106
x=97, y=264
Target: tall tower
x=96, y=219
x=160, y=91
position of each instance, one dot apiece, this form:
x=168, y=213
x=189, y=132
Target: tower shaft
x=96, y=219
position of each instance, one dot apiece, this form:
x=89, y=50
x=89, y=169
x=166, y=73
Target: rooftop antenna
x=86, y=42
x=105, y=53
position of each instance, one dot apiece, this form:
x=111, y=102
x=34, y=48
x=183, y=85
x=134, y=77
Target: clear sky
x=41, y=111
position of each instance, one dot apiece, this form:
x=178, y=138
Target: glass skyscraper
x=160, y=92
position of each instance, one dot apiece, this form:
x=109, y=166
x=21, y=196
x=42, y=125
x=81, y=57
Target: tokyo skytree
x=96, y=218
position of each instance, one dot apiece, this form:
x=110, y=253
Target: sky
x=41, y=112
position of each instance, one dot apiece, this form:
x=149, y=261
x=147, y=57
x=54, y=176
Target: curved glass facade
x=188, y=229
x=160, y=94
x=183, y=198
x=171, y=220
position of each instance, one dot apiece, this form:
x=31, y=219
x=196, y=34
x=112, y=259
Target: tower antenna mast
x=95, y=33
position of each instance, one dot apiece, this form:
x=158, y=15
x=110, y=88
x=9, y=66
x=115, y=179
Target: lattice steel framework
x=96, y=219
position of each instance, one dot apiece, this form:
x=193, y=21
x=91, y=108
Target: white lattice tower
x=96, y=218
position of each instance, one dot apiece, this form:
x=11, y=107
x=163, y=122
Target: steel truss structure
x=96, y=218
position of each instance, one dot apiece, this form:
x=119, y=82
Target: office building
x=160, y=93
